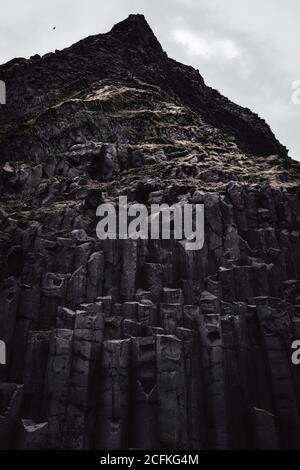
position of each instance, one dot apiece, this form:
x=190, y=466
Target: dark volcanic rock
x=140, y=344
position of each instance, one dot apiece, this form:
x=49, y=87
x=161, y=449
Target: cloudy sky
x=247, y=49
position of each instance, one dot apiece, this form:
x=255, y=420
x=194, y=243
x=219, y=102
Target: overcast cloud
x=247, y=49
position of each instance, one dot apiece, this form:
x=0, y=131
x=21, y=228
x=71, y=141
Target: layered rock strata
x=123, y=344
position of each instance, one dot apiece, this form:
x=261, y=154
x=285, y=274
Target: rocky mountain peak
x=135, y=32
x=130, y=51
x=135, y=29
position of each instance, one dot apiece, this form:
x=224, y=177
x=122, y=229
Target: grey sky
x=247, y=49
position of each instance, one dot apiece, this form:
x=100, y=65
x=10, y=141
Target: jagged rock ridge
x=124, y=344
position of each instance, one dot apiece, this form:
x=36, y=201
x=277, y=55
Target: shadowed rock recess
x=140, y=344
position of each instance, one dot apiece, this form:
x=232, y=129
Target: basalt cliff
x=123, y=344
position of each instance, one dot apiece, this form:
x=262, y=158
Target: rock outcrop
x=123, y=344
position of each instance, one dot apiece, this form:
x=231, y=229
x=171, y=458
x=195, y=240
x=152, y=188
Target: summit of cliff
x=113, y=112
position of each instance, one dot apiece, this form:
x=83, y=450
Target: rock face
x=122, y=344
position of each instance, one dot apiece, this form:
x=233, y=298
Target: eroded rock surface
x=140, y=344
